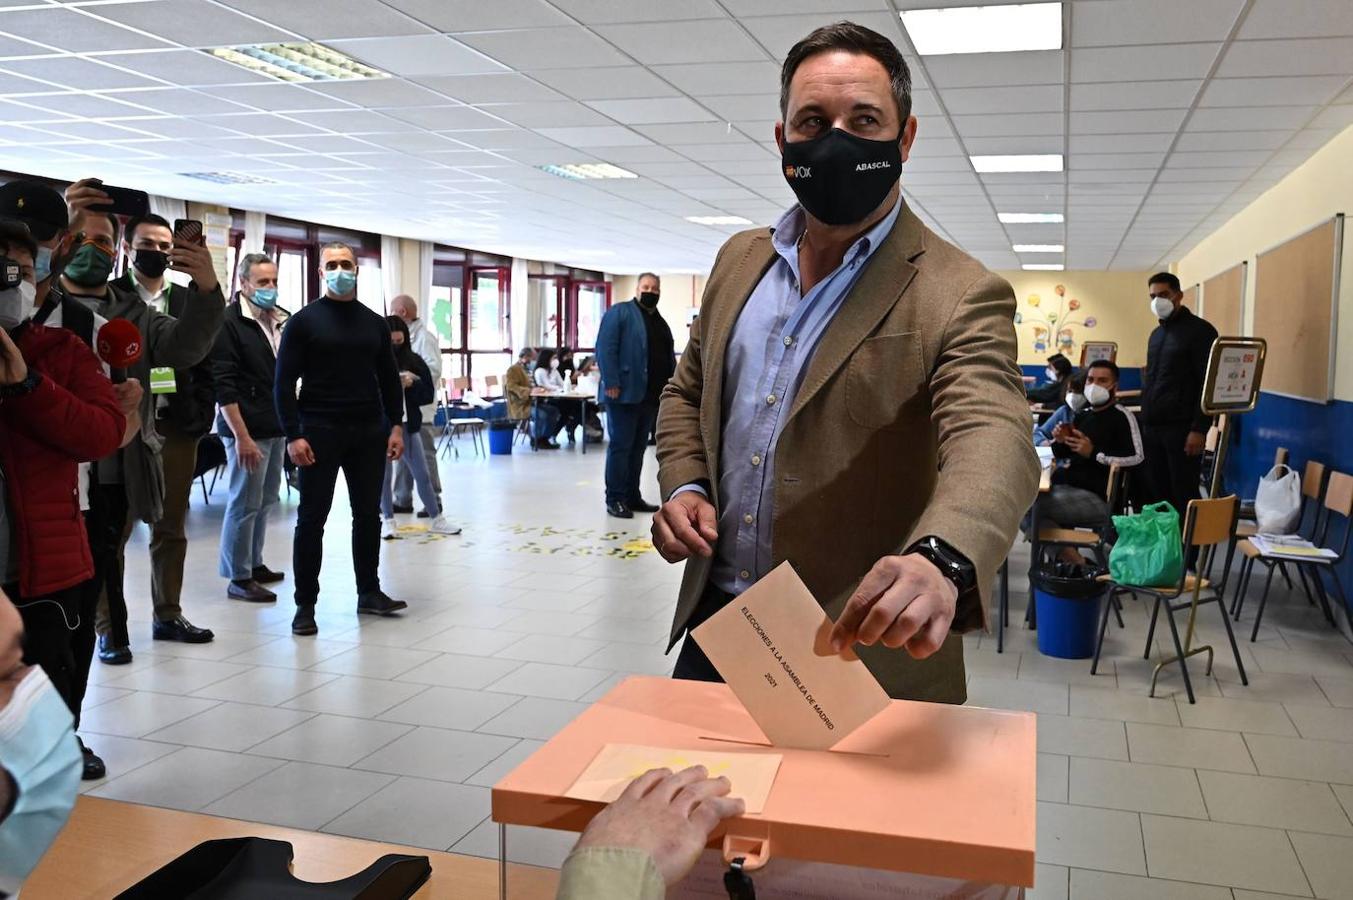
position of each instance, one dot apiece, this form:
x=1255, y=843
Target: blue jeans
x=545, y=421
x=252, y=497
x=417, y=462
x=629, y=424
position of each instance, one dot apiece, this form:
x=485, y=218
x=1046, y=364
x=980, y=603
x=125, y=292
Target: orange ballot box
x=929, y=789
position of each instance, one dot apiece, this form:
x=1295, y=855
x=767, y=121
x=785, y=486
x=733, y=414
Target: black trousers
x=692, y=664
x=59, y=637
x=1172, y=474
x=106, y=526
x=359, y=452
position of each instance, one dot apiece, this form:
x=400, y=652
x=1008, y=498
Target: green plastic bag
x=1150, y=550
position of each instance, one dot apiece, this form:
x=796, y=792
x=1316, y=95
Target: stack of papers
x=1290, y=546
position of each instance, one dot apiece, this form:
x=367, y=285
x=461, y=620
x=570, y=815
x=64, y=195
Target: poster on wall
x=1093, y=351
x=1234, y=373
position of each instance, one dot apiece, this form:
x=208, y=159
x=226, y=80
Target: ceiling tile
x=91, y=106
x=73, y=31
x=1314, y=56
x=1308, y=18
x=169, y=101
x=1216, y=159
x=355, y=121
x=1232, y=140
x=1119, y=143
x=714, y=153
x=1171, y=61
x=1010, y=124
x=326, y=20
x=1135, y=121
x=193, y=23
x=1176, y=94
x=734, y=107
x=606, y=83
x=187, y=68
x=1240, y=119
x=1309, y=90
x=1029, y=143
x=997, y=100
x=1116, y=160
x=505, y=87
x=72, y=72
x=996, y=69
x=446, y=118
x=476, y=15
x=503, y=139
x=546, y=48
x=547, y=114
x=712, y=79
x=11, y=46
x=379, y=93
x=606, y=136
x=1113, y=23
x=691, y=133
x=779, y=33
x=260, y=124
x=607, y=12
x=652, y=111
x=705, y=40
x=425, y=54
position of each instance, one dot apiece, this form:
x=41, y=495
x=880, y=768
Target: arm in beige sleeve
x=610, y=873
x=988, y=471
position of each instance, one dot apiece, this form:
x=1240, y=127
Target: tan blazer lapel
x=886, y=278
x=718, y=330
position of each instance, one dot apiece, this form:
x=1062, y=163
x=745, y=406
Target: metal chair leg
x=1103, y=627
x=1339, y=588
x=1231, y=636
x=1002, y=613
x=1263, y=601
x=1324, y=597
x=1179, y=649
x=1282, y=567
x=1242, y=584
x=1151, y=632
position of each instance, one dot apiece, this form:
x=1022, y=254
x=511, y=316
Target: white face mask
x=554, y=364
x=16, y=304
x=1162, y=307
x=1075, y=401
x=1050, y=373
x=1097, y=394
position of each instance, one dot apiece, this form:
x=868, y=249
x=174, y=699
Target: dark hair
x=1166, y=278
x=853, y=39
x=14, y=235
x=524, y=352
x=1105, y=364
x=543, y=359
x=587, y=363
x=1076, y=384
x=643, y=275
x=405, y=350
x=1062, y=365
x=148, y=219
x=339, y=245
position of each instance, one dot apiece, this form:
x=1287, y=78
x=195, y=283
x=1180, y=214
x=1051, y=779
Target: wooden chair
x=1338, y=502
x=1208, y=524
x=1312, y=496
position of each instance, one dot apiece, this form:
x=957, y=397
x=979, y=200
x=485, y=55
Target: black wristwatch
x=21, y=388
x=952, y=564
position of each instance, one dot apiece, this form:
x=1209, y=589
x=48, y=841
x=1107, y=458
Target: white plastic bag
x=1277, y=503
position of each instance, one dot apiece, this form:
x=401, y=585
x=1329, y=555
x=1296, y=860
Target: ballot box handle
x=751, y=852
x=737, y=882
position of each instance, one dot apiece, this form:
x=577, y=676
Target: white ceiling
x=1173, y=115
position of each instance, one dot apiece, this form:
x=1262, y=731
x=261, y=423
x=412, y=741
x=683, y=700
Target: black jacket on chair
x=243, y=366
x=1176, y=367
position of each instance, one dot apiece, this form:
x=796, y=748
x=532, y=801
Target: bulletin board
x=1296, y=304
x=1224, y=300
x=1191, y=298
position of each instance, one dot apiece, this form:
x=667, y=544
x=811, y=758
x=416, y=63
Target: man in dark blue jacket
x=635, y=354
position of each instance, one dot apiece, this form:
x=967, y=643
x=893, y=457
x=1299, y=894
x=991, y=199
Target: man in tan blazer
x=849, y=400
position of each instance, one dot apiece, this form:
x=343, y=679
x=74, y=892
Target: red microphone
x=119, y=346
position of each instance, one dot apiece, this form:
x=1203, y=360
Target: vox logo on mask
x=798, y=171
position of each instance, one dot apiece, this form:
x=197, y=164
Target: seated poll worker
x=849, y=399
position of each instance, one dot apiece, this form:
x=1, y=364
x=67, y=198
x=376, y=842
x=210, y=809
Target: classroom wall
x=1316, y=190
x=1093, y=305
x=680, y=294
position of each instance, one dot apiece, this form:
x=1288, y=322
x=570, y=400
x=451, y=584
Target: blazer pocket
x=885, y=383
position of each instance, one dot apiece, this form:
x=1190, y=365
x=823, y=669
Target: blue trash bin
x=1068, y=600
x=500, y=437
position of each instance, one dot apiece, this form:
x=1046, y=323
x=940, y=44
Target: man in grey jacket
x=130, y=483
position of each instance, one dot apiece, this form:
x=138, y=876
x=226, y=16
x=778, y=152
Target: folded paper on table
x=771, y=646
x=1297, y=548
x=607, y=776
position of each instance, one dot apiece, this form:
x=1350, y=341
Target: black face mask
x=840, y=178
x=150, y=263
x=649, y=299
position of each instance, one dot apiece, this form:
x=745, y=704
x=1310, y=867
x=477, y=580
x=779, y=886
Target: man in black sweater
x=1174, y=428
x=348, y=416
x=1102, y=435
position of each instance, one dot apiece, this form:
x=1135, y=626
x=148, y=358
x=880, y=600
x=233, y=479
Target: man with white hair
x=427, y=346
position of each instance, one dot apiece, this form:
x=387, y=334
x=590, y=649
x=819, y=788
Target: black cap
x=38, y=206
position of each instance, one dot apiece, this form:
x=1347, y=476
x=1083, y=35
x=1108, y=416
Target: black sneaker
x=94, y=768
x=181, y=630
x=303, y=623
x=375, y=603
x=619, y=509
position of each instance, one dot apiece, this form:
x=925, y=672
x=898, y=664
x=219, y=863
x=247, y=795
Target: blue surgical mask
x=42, y=264
x=340, y=281
x=265, y=298
x=39, y=751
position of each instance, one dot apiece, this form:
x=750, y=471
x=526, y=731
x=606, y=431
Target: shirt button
x=748, y=518
x=770, y=400
x=744, y=575
x=789, y=341
x=756, y=460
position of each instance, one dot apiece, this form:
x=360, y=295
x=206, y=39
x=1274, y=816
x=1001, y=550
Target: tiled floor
x=394, y=729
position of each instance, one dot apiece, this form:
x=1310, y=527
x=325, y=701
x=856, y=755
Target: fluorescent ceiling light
x=1019, y=162
x=1043, y=267
x=297, y=62
x=228, y=178
x=1031, y=218
x=1039, y=248
x=985, y=29
x=580, y=171
x=718, y=220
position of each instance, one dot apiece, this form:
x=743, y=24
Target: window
x=590, y=301
x=488, y=308
x=291, y=266
x=370, y=288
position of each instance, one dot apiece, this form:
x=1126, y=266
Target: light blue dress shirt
x=768, y=354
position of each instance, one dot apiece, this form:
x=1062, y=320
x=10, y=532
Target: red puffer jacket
x=72, y=417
